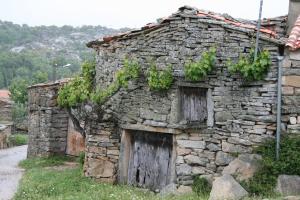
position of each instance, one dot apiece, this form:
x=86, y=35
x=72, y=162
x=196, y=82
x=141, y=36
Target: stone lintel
x=141, y=127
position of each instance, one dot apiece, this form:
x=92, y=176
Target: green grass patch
x=264, y=181
x=18, y=139
x=39, y=183
x=201, y=187
x=32, y=163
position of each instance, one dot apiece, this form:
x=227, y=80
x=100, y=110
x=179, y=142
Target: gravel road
x=10, y=173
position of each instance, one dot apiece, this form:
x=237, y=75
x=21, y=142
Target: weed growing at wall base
x=264, y=181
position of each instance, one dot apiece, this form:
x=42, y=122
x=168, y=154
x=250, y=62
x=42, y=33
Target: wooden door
x=150, y=159
x=75, y=141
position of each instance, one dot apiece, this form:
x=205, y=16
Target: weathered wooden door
x=75, y=141
x=150, y=160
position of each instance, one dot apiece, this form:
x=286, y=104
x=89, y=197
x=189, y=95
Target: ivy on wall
x=196, y=71
x=250, y=69
x=79, y=89
x=130, y=71
x=160, y=80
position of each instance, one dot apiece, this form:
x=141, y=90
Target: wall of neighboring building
x=243, y=114
x=48, y=123
x=5, y=110
x=291, y=92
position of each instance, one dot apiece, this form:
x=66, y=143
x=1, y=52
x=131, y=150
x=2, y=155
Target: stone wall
x=5, y=132
x=5, y=110
x=291, y=92
x=48, y=123
x=242, y=114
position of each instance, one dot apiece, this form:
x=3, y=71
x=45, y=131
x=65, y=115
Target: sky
x=124, y=13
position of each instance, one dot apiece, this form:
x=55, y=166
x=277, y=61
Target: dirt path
x=10, y=174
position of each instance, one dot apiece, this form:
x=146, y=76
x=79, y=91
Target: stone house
x=151, y=139
x=146, y=138
x=50, y=130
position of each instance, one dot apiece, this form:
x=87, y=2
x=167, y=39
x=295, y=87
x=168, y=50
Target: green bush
x=160, y=80
x=19, y=112
x=264, y=180
x=196, y=71
x=201, y=186
x=18, y=139
x=249, y=68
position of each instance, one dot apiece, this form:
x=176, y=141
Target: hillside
x=28, y=53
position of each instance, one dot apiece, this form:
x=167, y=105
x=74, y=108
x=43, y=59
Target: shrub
x=264, y=180
x=201, y=186
x=160, y=80
x=196, y=71
x=19, y=112
x=249, y=68
x=18, y=139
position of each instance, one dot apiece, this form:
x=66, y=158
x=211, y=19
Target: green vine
x=160, y=80
x=196, y=71
x=249, y=69
x=130, y=71
x=79, y=89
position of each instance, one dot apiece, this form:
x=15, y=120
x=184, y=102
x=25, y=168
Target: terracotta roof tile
x=294, y=38
x=4, y=94
x=188, y=11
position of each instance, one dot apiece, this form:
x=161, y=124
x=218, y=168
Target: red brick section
x=294, y=38
x=4, y=94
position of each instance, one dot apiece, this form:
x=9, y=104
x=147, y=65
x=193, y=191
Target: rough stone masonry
x=235, y=115
x=240, y=114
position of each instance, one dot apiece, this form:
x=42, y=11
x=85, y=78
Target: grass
x=18, y=139
x=49, y=184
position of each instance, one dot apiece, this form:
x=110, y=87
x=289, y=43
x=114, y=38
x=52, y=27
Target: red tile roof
x=294, y=38
x=4, y=94
x=187, y=11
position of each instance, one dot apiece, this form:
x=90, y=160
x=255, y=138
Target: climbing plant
x=196, y=71
x=81, y=88
x=159, y=80
x=249, y=68
x=78, y=89
x=129, y=71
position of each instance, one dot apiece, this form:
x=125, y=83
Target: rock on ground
x=288, y=185
x=243, y=167
x=225, y=187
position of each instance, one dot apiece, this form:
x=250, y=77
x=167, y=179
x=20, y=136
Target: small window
x=193, y=103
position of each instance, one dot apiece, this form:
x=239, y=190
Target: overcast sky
x=124, y=13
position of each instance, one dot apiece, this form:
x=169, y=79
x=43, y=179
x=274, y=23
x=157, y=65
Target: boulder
x=169, y=189
x=223, y=158
x=288, y=185
x=243, y=167
x=225, y=187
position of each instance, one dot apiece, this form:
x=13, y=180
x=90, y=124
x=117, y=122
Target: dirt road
x=10, y=173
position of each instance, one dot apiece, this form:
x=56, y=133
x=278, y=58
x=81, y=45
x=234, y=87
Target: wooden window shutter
x=193, y=104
